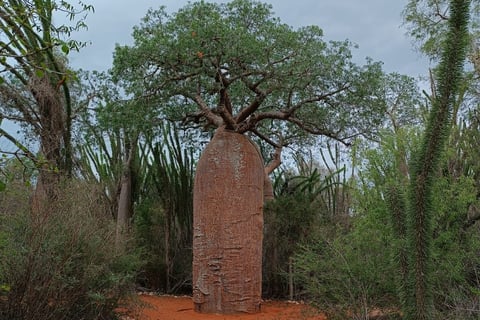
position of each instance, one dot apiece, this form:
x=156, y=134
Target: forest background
x=97, y=194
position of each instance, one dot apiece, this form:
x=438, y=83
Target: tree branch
x=245, y=112
x=17, y=143
x=266, y=139
x=207, y=113
x=321, y=97
x=276, y=161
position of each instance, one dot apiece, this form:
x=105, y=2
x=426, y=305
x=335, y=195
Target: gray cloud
x=375, y=25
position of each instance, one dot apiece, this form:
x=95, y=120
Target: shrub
x=149, y=224
x=61, y=263
x=348, y=274
x=288, y=222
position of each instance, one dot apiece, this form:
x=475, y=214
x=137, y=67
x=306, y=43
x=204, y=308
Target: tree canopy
x=34, y=76
x=426, y=21
x=236, y=65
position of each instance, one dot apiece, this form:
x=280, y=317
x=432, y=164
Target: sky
x=374, y=25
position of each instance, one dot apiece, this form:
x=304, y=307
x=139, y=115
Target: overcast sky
x=374, y=25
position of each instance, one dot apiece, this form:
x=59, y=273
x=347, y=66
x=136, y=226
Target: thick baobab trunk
x=228, y=226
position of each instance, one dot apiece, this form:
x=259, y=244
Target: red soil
x=181, y=308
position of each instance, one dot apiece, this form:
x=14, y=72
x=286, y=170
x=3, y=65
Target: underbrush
x=60, y=262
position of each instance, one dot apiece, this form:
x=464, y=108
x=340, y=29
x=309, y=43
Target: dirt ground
x=152, y=307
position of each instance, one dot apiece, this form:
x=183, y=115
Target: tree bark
x=51, y=130
x=124, y=211
x=268, y=193
x=228, y=226
x=125, y=201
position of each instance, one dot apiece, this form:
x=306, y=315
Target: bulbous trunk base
x=228, y=226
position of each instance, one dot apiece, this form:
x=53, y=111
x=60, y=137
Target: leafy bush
x=315, y=198
x=288, y=222
x=61, y=263
x=348, y=274
x=167, y=254
x=149, y=226
x=456, y=250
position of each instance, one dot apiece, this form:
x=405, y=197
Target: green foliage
x=162, y=174
x=425, y=164
x=348, y=274
x=61, y=263
x=149, y=224
x=33, y=27
x=164, y=214
x=308, y=198
x=455, y=247
x=289, y=220
x=33, y=62
x=360, y=266
x=427, y=22
x=203, y=54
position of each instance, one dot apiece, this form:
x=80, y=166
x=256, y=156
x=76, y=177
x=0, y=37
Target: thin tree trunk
x=125, y=199
x=167, y=236
x=124, y=208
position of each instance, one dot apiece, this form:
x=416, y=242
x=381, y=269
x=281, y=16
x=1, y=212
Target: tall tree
x=237, y=68
x=427, y=24
x=111, y=150
x=35, y=80
x=425, y=163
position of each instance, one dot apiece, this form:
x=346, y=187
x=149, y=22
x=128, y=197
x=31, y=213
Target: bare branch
x=279, y=115
x=228, y=118
x=266, y=138
x=13, y=118
x=321, y=97
x=442, y=16
x=17, y=143
x=22, y=104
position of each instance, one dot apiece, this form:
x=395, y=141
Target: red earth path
x=153, y=307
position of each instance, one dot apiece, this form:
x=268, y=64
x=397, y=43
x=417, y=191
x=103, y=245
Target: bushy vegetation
x=289, y=220
x=61, y=262
x=347, y=271
x=340, y=232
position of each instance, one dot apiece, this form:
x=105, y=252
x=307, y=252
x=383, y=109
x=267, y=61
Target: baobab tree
x=235, y=67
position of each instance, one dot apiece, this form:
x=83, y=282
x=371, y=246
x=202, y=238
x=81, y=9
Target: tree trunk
x=125, y=199
x=51, y=130
x=228, y=226
x=124, y=211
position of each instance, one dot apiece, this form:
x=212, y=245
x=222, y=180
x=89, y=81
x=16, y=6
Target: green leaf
x=5, y=287
x=3, y=186
x=39, y=73
x=65, y=48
